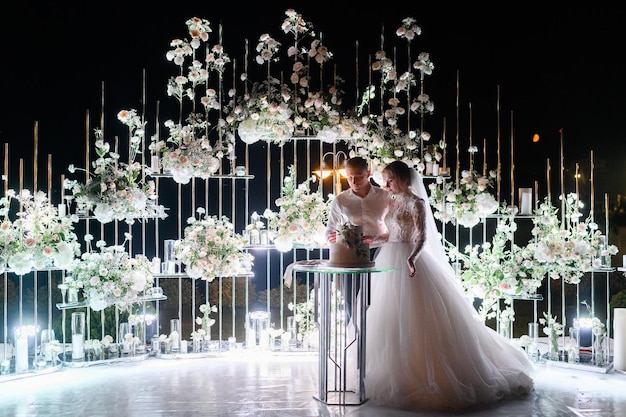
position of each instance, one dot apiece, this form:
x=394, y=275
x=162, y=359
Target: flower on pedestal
x=553, y=329
x=111, y=276
x=210, y=248
x=465, y=201
x=302, y=215
x=117, y=190
x=37, y=237
x=570, y=248
x=379, y=138
x=194, y=147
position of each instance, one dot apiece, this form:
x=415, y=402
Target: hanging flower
x=211, y=248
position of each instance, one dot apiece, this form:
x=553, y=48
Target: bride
x=426, y=347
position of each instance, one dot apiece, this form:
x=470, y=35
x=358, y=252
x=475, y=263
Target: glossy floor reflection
x=266, y=384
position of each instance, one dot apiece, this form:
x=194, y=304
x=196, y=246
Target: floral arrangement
x=553, y=329
x=381, y=139
x=274, y=111
x=117, y=190
x=570, y=248
x=206, y=321
x=37, y=237
x=210, y=248
x=499, y=269
x=253, y=229
x=111, y=276
x=189, y=151
x=465, y=201
x=302, y=215
x=304, y=317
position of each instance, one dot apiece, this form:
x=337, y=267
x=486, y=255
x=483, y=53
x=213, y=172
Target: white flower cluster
x=37, y=237
x=188, y=152
x=211, y=248
x=111, y=276
x=571, y=247
x=116, y=190
x=465, y=201
x=302, y=215
x=499, y=269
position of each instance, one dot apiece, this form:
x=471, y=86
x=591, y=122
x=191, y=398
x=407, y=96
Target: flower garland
x=111, y=276
x=302, y=215
x=466, y=201
x=38, y=237
x=116, y=190
x=210, y=248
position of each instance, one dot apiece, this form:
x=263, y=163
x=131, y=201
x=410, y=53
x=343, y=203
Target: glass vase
x=175, y=335
x=599, y=350
x=533, y=348
x=553, y=353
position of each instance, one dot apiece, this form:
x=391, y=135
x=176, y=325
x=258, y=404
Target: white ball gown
x=426, y=346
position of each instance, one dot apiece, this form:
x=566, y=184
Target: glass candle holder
x=78, y=336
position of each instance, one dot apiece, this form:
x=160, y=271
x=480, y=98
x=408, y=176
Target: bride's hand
x=411, y=265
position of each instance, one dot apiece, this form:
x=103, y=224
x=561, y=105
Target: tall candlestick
x=591, y=169
x=562, y=181
x=498, y=162
x=576, y=175
x=458, y=167
x=485, y=157
x=536, y=195
x=606, y=216
x=35, y=155
x=444, y=145
x=512, y=164
x=471, y=144
x=548, y=179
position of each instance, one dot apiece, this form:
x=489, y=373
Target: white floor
x=244, y=383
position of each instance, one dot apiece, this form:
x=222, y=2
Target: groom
x=363, y=204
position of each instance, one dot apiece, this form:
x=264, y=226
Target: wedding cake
x=350, y=251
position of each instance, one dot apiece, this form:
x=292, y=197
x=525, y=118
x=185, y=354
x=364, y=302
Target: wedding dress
x=426, y=348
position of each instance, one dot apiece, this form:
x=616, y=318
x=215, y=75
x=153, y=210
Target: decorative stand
x=337, y=336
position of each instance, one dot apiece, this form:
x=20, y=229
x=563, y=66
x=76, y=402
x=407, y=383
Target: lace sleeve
x=419, y=226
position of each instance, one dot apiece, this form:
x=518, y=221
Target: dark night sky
x=554, y=68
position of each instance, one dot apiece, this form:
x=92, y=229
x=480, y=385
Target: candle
x=484, y=157
x=61, y=208
x=78, y=347
x=619, y=341
x=512, y=164
x=525, y=201
x=154, y=164
x=21, y=353
x=548, y=178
